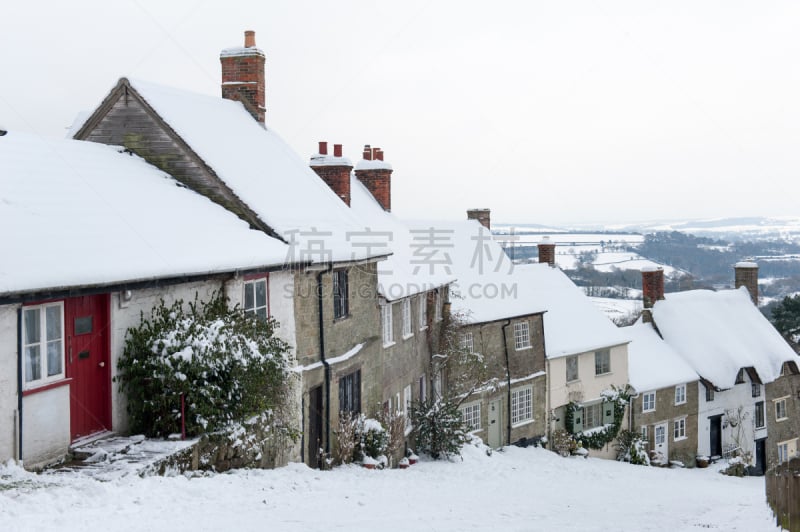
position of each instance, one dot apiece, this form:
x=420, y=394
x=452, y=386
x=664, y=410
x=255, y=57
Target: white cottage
x=93, y=236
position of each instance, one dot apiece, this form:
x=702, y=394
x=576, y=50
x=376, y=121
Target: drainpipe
x=326, y=365
x=508, y=382
x=19, y=383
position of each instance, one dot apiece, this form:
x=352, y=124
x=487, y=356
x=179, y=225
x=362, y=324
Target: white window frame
x=471, y=416
x=423, y=311
x=787, y=450
x=388, y=325
x=252, y=285
x=679, y=429
x=780, y=408
x=522, y=336
x=606, y=355
x=342, y=296
x=590, y=422
x=576, y=361
x=437, y=312
x=521, y=405
x=408, y=330
x=423, y=388
x=649, y=405
x=43, y=344
x=643, y=430
x=755, y=389
x=680, y=394
x=467, y=341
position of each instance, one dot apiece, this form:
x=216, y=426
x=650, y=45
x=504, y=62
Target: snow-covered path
x=519, y=489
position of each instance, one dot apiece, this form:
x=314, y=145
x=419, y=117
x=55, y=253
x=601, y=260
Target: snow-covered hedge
x=226, y=364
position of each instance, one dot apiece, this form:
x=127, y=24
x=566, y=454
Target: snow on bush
x=440, y=430
x=226, y=364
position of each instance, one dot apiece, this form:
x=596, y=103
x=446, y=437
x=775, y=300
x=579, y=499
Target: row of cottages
x=552, y=355
x=92, y=238
x=361, y=345
x=713, y=376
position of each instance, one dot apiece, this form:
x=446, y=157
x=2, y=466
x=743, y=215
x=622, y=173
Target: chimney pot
x=323, y=148
x=367, y=153
x=249, y=39
x=380, y=154
x=375, y=153
x=337, y=150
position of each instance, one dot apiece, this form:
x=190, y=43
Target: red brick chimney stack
x=334, y=170
x=547, y=251
x=376, y=175
x=243, y=76
x=746, y=274
x=652, y=290
x=484, y=216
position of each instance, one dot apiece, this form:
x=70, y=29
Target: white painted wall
x=729, y=400
x=8, y=381
x=45, y=426
x=128, y=314
x=589, y=386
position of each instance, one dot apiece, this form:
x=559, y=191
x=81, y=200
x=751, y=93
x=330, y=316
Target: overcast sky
x=545, y=112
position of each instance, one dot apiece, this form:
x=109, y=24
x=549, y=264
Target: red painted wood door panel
x=86, y=323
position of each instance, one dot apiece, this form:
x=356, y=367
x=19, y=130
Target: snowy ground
x=518, y=489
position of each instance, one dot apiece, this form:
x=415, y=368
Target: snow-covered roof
x=490, y=288
x=405, y=272
x=263, y=171
x=652, y=363
x=77, y=213
x=718, y=333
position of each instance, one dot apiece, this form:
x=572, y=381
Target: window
x=649, y=402
x=438, y=310
x=521, y=405
x=341, y=304
x=740, y=377
x=467, y=342
x=756, y=389
x=780, y=409
x=407, y=331
x=644, y=433
x=592, y=416
x=423, y=312
x=522, y=337
x=423, y=392
x=709, y=394
x=783, y=452
x=572, y=368
x=386, y=319
x=43, y=343
x=661, y=434
x=679, y=429
x=602, y=361
x=407, y=407
x=350, y=393
x=255, y=298
x=760, y=418
x=787, y=450
x=680, y=394
x=471, y=415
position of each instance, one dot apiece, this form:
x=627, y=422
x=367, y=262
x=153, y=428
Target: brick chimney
x=376, y=175
x=547, y=251
x=243, y=76
x=652, y=285
x=747, y=275
x=482, y=215
x=333, y=169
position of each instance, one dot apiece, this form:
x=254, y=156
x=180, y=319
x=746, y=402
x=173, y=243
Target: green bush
x=440, y=431
x=226, y=364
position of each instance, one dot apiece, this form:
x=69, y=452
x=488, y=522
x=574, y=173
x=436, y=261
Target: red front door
x=86, y=325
